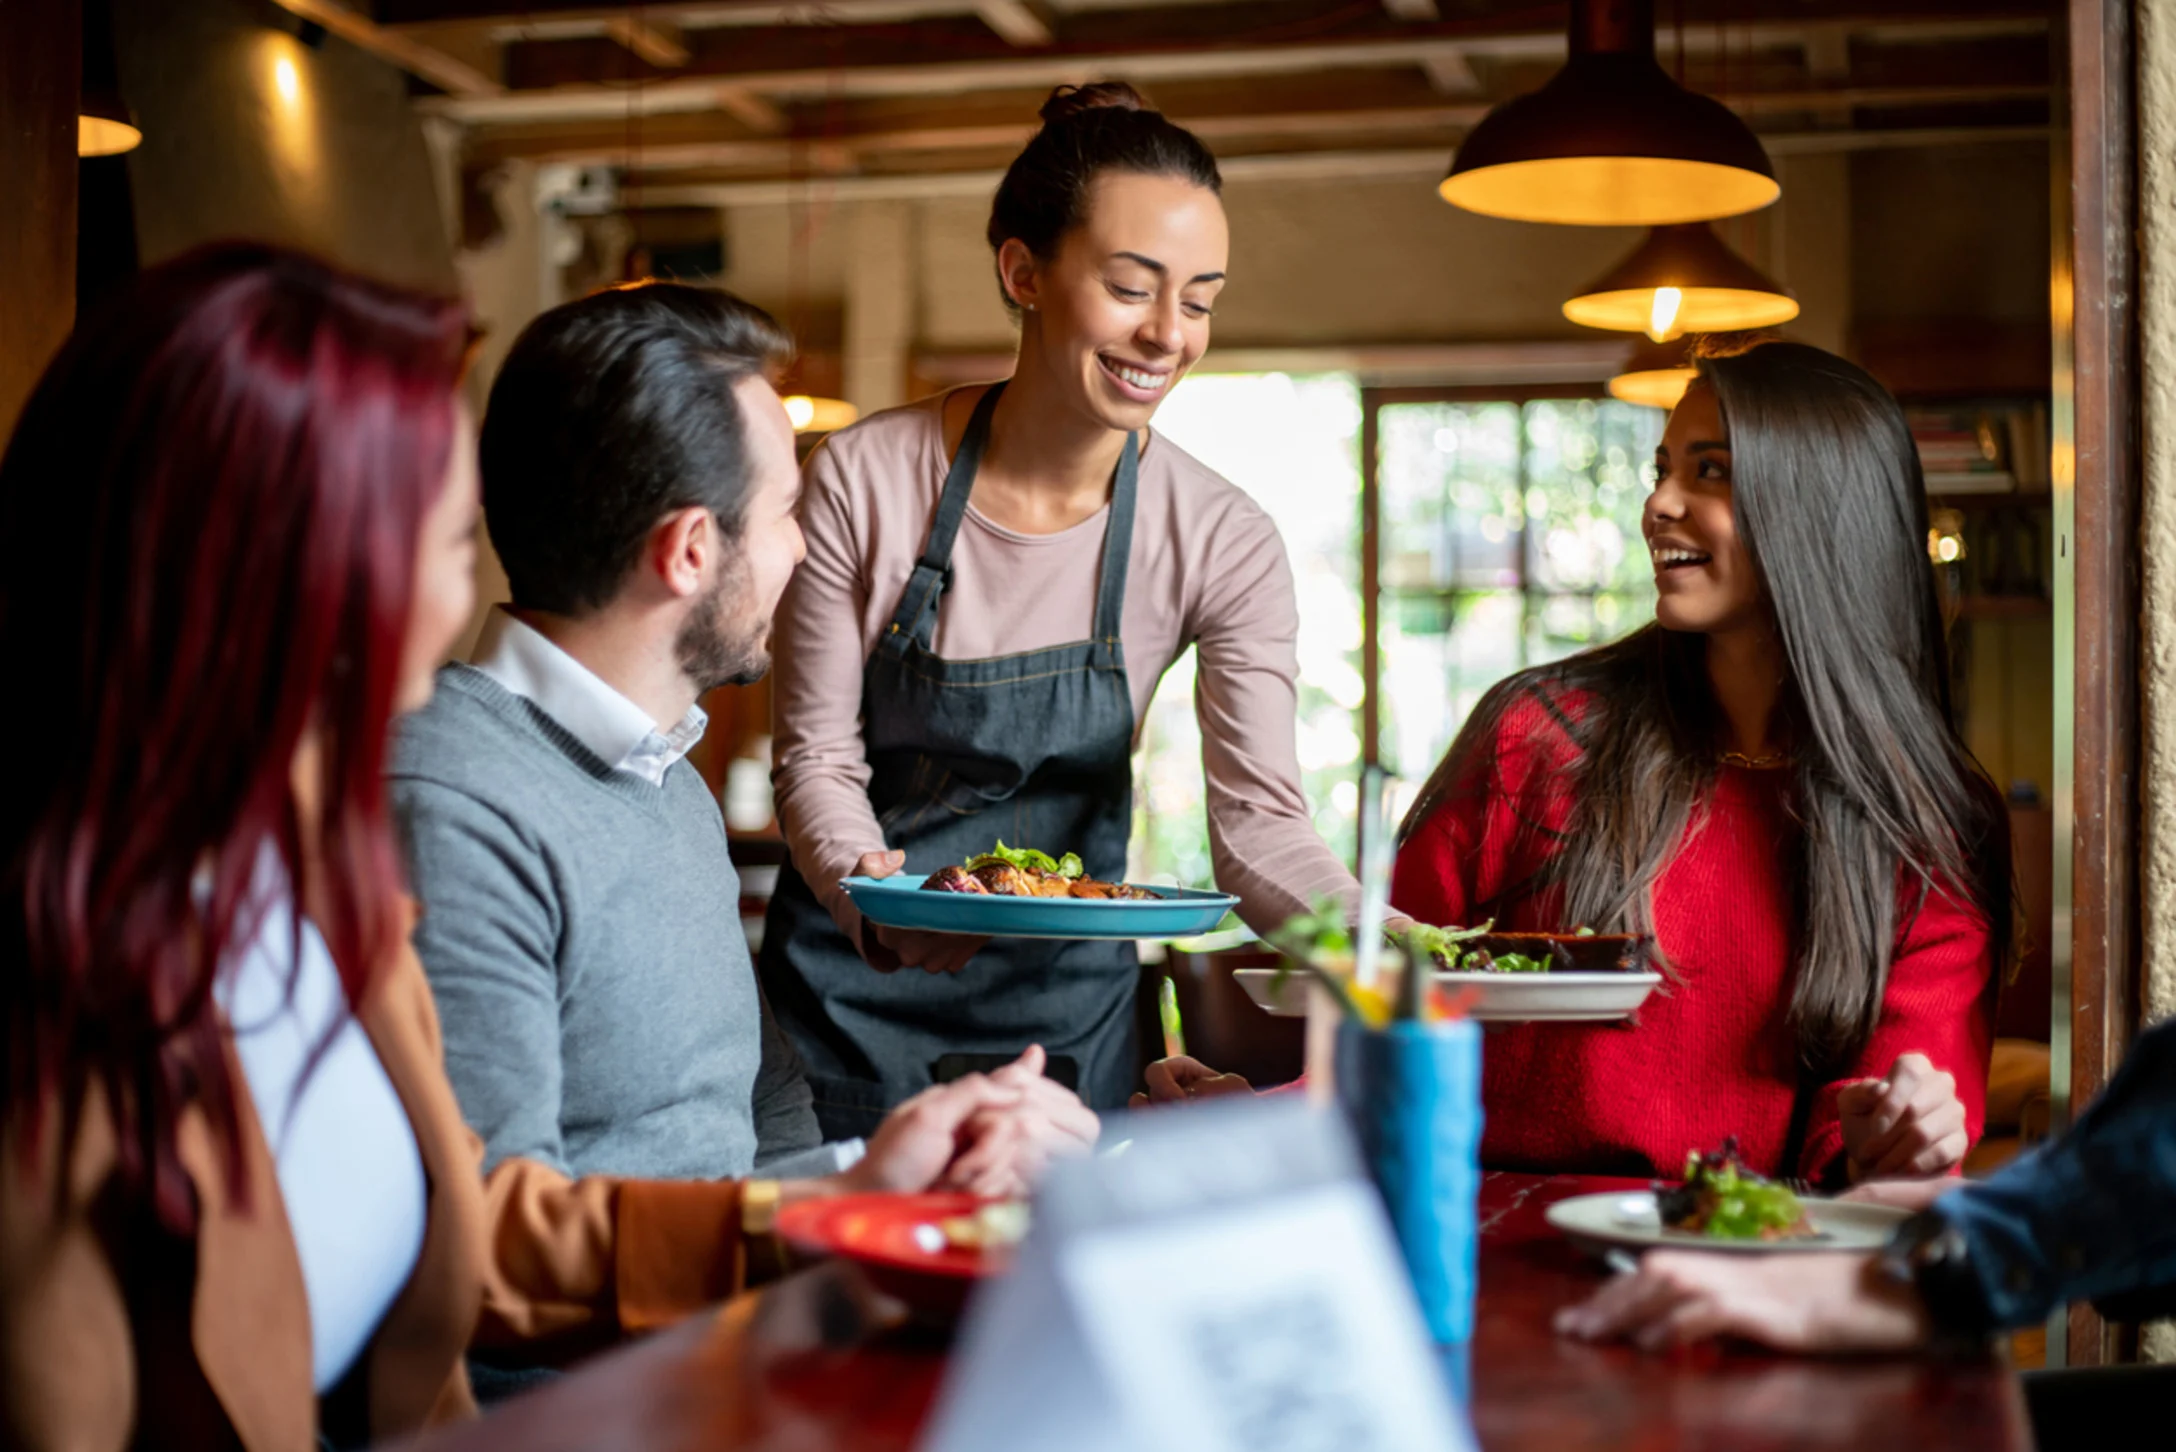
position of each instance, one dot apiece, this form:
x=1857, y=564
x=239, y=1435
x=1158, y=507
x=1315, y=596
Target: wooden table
x=817, y=1362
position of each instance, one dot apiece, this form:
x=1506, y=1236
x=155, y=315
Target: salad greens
x=1738, y=1204
x=1027, y=859
x=1446, y=948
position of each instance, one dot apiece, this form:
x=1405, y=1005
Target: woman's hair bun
x=1066, y=102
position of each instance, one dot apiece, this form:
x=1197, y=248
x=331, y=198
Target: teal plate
x=900, y=902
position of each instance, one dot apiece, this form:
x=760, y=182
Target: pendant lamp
x=1611, y=140
x=1656, y=374
x=810, y=415
x=104, y=126
x=1682, y=280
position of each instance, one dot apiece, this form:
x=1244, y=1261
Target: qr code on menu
x=1281, y=1377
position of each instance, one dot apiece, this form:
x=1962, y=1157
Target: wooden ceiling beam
x=1376, y=103
x=1394, y=163
x=451, y=76
x=660, y=42
x=681, y=12
x=1015, y=20
x=575, y=77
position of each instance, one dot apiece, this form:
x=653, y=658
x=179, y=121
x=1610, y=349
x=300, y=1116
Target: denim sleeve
x=2090, y=1215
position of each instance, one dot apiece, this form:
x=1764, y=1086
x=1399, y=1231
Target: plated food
x=1483, y=950
x=897, y=1243
x=1576, y=977
x=1100, y=910
x=997, y=1225
x=1025, y=872
x=1722, y=1206
x=1723, y=1200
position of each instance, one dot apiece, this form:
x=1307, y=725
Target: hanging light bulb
x=810, y=415
x=1611, y=140
x=1682, y=280
x=1656, y=374
x=1662, y=315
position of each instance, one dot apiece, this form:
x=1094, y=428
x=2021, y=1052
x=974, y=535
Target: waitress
x=996, y=580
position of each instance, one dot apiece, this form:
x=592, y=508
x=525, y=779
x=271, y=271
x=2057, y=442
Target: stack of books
x=1982, y=448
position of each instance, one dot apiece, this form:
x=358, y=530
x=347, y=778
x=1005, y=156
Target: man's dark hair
x=610, y=413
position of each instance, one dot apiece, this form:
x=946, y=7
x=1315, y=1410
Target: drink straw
x=1374, y=878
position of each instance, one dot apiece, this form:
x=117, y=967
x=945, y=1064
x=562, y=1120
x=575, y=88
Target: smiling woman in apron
x=996, y=580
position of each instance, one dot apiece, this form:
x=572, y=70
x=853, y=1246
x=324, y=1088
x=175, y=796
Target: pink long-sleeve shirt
x=1207, y=568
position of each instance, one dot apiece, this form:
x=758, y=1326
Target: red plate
x=877, y=1232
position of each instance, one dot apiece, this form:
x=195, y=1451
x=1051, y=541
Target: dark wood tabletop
x=818, y=1361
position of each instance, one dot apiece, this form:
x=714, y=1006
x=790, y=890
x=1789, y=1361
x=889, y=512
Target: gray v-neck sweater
x=581, y=931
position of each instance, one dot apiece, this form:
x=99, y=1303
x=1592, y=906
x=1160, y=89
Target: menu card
x=1225, y=1281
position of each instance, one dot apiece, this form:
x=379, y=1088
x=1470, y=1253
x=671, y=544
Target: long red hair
x=209, y=515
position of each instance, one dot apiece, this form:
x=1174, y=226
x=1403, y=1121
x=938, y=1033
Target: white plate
x=1499, y=997
x=1627, y=1218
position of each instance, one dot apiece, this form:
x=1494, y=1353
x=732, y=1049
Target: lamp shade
x=1682, y=280
x=104, y=126
x=1611, y=140
x=1656, y=374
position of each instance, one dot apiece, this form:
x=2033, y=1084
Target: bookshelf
x=1986, y=464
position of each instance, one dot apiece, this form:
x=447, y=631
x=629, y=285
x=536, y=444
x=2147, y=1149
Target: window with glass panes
x=1508, y=536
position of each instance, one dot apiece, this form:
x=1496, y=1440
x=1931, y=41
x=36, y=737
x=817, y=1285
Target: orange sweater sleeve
x=578, y=1263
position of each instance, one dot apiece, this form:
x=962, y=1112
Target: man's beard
x=716, y=649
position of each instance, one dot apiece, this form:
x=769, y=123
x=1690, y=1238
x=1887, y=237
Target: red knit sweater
x=1713, y=1054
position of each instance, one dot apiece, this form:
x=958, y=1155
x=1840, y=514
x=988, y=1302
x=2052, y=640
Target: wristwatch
x=758, y=1207
x=1932, y=1256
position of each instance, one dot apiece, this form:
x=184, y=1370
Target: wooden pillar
x=2097, y=584
x=40, y=74
x=879, y=304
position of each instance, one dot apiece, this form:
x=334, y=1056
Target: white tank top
x=348, y=1167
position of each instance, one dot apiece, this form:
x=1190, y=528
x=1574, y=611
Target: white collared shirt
x=621, y=733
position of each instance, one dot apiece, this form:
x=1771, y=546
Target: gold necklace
x=1768, y=761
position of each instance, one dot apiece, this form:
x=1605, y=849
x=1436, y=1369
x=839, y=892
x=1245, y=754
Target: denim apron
x=1032, y=748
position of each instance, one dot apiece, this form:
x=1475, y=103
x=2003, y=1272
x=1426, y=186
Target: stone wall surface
x=2157, y=389
x=2157, y=384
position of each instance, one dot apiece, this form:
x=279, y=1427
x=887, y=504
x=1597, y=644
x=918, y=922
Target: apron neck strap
x=933, y=572
x=959, y=483
x=1118, y=544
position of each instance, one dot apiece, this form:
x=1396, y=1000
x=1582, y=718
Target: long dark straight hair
x=208, y=516
x=1829, y=500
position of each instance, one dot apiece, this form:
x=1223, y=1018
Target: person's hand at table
x=889, y=949
x=1178, y=1079
x=918, y=1141
x=1007, y=1150
x=1806, y=1303
x=1908, y=1123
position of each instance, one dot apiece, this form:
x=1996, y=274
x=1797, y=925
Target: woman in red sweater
x=1767, y=779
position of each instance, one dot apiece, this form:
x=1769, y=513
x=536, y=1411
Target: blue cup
x=1413, y=1094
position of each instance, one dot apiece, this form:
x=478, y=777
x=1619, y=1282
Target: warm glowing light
x=818, y=415
x=1945, y=537
x=1682, y=280
x=99, y=136
x=1609, y=191
x=1662, y=313
x=287, y=80
x=1695, y=310
x=1653, y=387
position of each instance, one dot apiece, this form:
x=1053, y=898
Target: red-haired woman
x=238, y=1200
